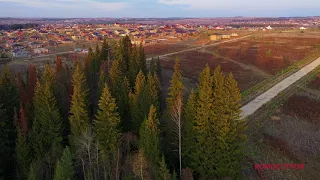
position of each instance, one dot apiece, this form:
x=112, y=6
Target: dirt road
x=267, y=96
x=199, y=47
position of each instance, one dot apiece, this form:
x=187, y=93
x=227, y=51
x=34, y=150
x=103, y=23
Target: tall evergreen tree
x=229, y=128
x=104, y=55
x=138, y=102
x=47, y=127
x=176, y=86
x=153, y=94
x=133, y=66
x=107, y=122
x=120, y=89
x=142, y=60
x=174, y=110
x=64, y=168
x=106, y=128
x=188, y=142
x=9, y=101
x=22, y=154
x=150, y=137
x=79, y=119
x=204, y=158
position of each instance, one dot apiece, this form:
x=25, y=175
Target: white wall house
x=19, y=53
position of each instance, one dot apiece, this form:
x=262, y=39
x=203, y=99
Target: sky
x=158, y=8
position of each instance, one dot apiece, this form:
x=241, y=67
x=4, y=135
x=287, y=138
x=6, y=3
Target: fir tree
x=230, y=129
x=104, y=55
x=176, y=86
x=188, y=143
x=106, y=123
x=9, y=100
x=133, y=67
x=138, y=102
x=32, y=173
x=164, y=173
x=120, y=89
x=79, y=119
x=204, y=160
x=149, y=136
x=64, y=169
x=32, y=80
x=142, y=65
x=174, y=110
x=47, y=127
x=23, y=154
x=153, y=95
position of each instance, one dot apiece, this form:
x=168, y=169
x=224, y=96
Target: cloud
x=256, y=5
x=72, y=4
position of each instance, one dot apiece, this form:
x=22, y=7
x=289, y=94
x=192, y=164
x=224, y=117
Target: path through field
x=198, y=47
x=244, y=66
x=267, y=96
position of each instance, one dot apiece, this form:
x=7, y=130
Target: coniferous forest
x=108, y=118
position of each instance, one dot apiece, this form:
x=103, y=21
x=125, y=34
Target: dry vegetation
x=269, y=53
x=193, y=62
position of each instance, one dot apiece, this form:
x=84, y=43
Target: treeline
x=17, y=26
x=102, y=119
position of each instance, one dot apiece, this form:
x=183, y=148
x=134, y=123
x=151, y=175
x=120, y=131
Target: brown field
x=292, y=134
x=193, y=62
x=315, y=84
x=269, y=53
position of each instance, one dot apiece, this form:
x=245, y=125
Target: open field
x=290, y=135
x=193, y=62
x=269, y=52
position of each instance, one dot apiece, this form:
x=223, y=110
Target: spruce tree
x=22, y=154
x=138, y=102
x=22, y=146
x=230, y=129
x=79, y=119
x=188, y=142
x=133, y=66
x=176, y=87
x=104, y=54
x=174, y=111
x=9, y=102
x=47, y=127
x=204, y=158
x=64, y=168
x=150, y=137
x=106, y=124
x=164, y=173
x=153, y=93
x=142, y=65
x=120, y=88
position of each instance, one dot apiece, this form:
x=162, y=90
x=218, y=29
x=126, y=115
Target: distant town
x=22, y=38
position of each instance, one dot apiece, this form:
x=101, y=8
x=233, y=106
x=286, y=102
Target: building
x=138, y=42
x=19, y=53
x=40, y=50
x=234, y=35
x=215, y=37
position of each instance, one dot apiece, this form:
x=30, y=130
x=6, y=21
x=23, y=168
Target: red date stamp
x=278, y=166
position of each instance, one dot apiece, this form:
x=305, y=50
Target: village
x=63, y=38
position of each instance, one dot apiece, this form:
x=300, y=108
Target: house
x=17, y=46
x=40, y=50
x=234, y=35
x=19, y=53
x=225, y=36
x=138, y=42
x=215, y=37
x=269, y=28
x=303, y=28
x=35, y=45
